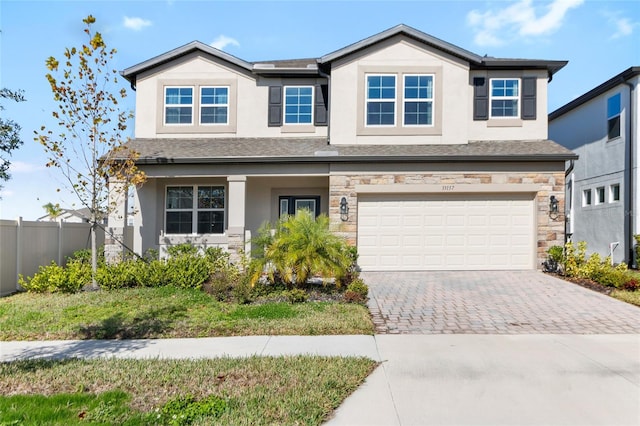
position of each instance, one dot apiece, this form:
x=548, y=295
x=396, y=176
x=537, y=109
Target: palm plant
x=302, y=246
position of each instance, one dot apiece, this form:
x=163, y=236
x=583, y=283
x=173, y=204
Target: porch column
x=114, y=250
x=236, y=220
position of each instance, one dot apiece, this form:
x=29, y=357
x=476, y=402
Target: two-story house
x=601, y=126
x=423, y=155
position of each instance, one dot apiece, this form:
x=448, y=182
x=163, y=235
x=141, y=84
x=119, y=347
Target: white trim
x=611, y=196
x=505, y=98
x=194, y=209
x=599, y=201
x=367, y=100
x=201, y=105
x=404, y=100
x=284, y=105
x=586, y=198
x=165, y=105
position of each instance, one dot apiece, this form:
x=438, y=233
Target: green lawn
x=301, y=390
x=632, y=297
x=168, y=312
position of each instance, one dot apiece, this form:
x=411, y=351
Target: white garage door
x=446, y=232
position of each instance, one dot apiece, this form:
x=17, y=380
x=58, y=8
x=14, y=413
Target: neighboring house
x=424, y=155
x=601, y=126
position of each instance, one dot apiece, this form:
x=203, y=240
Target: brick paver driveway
x=492, y=302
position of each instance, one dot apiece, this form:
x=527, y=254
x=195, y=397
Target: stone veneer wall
x=550, y=230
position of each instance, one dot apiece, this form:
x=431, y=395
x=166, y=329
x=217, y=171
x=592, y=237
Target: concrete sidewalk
x=435, y=379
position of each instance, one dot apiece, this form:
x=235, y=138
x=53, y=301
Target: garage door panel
x=452, y=231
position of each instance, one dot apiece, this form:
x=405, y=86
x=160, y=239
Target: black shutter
x=480, y=98
x=528, y=98
x=321, y=103
x=275, y=106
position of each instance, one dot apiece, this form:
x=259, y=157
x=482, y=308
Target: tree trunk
x=94, y=254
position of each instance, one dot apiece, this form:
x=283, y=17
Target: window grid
x=178, y=105
x=418, y=100
x=195, y=210
x=298, y=105
x=614, y=193
x=505, y=96
x=214, y=105
x=381, y=100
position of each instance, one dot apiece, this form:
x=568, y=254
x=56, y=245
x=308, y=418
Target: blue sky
x=598, y=38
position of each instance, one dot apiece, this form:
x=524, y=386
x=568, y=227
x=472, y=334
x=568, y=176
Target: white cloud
x=136, y=24
x=623, y=25
x=494, y=28
x=24, y=167
x=4, y=193
x=223, y=41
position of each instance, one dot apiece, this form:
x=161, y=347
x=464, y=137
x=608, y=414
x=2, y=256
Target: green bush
x=302, y=247
x=296, y=295
x=356, y=292
x=187, y=271
x=242, y=290
x=54, y=278
x=121, y=275
x=185, y=410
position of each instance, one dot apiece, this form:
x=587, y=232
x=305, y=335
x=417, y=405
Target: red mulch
x=587, y=283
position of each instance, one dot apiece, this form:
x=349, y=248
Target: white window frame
x=612, y=198
x=504, y=98
x=587, y=197
x=284, y=111
x=600, y=195
x=430, y=100
x=194, y=208
x=203, y=105
x=166, y=105
x=393, y=100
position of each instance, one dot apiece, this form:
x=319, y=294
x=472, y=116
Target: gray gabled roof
x=614, y=81
x=313, y=149
x=408, y=31
x=131, y=72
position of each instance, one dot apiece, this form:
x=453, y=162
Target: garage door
x=446, y=232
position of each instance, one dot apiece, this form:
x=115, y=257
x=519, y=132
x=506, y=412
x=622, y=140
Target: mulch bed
x=586, y=283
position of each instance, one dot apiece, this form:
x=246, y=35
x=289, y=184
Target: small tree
x=90, y=150
x=9, y=134
x=53, y=210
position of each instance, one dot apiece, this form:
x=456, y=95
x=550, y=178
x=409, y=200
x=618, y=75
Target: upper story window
x=614, y=109
x=195, y=210
x=418, y=100
x=178, y=105
x=586, y=197
x=600, y=195
x=381, y=100
x=214, y=105
x=505, y=96
x=298, y=105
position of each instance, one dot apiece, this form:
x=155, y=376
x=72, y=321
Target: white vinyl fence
x=26, y=245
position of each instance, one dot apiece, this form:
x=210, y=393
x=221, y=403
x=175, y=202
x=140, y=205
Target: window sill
x=504, y=122
x=298, y=128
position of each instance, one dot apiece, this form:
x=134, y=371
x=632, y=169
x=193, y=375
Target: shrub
x=54, y=278
x=555, y=258
x=187, y=271
x=302, y=247
x=574, y=259
x=121, y=275
x=296, y=295
x=631, y=284
x=185, y=410
x=218, y=285
x=356, y=292
x=182, y=249
x=242, y=290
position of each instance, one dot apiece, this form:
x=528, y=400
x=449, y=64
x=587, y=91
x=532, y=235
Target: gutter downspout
x=629, y=191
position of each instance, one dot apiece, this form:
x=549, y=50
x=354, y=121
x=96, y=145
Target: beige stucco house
x=424, y=155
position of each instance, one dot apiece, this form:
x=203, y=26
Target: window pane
x=418, y=113
x=179, y=197
x=418, y=87
x=613, y=127
x=600, y=195
x=306, y=205
x=380, y=113
x=505, y=88
x=179, y=223
x=613, y=106
x=210, y=222
x=214, y=115
x=504, y=108
x=178, y=115
x=284, y=206
x=381, y=87
x=615, y=192
x=178, y=95
x=210, y=197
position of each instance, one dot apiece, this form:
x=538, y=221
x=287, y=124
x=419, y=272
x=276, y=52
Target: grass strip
x=168, y=312
x=302, y=390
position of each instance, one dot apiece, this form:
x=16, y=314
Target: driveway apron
x=492, y=302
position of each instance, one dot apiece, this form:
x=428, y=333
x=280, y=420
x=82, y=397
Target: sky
x=599, y=39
